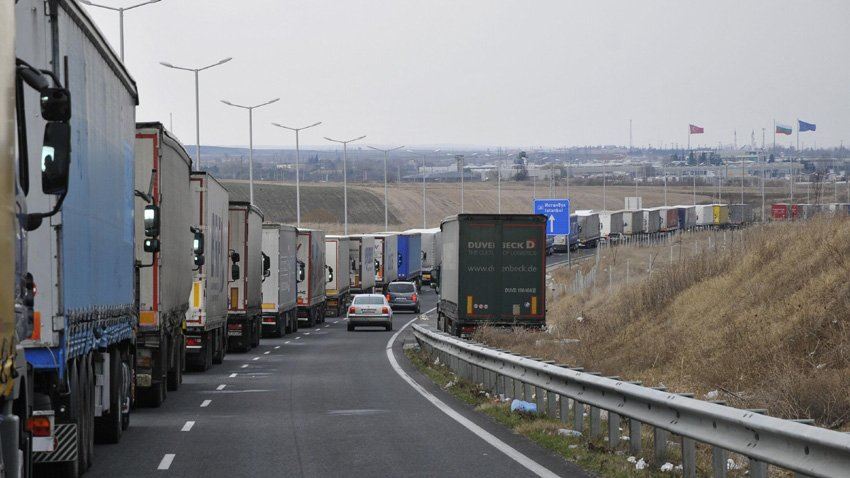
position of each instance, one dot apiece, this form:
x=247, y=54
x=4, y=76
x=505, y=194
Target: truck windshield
x=364, y=300
x=402, y=288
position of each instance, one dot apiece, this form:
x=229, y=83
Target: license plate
x=234, y=333
x=368, y=311
x=143, y=379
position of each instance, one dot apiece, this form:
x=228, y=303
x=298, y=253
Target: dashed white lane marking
x=277, y=346
x=503, y=447
x=287, y=342
x=166, y=461
x=317, y=330
x=232, y=375
x=266, y=352
x=205, y=403
x=187, y=426
x=245, y=366
x=221, y=387
x=325, y=326
x=297, y=338
x=256, y=358
x=335, y=321
x=306, y=333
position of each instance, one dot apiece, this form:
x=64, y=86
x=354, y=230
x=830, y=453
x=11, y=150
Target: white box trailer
x=244, y=316
x=589, y=228
x=651, y=220
x=611, y=223
x=705, y=215
x=337, y=250
x=313, y=276
x=431, y=252
x=632, y=222
x=361, y=256
x=386, y=259
x=206, y=319
x=280, y=306
x=164, y=277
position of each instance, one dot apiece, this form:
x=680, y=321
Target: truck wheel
x=107, y=428
x=175, y=375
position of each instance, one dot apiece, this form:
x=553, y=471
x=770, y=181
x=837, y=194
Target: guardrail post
x=635, y=444
x=595, y=422
x=578, y=416
x=528, y=392
x=689, y=458
x=551, y=404
x=718, y=462
x=565, y=408
x=758, y=469
x=540, y=400
x=613, y=430
x=659, y=444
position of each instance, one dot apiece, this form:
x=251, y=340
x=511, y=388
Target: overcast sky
x=494, y=72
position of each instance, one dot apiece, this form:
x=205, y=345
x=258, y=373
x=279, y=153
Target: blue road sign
x=557, y=212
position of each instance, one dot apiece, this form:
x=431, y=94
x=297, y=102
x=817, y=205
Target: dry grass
x=764, y=321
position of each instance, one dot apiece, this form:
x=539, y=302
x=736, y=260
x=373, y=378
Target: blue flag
x=806, y=126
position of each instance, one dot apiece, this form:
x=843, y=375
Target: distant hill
x=320, y=204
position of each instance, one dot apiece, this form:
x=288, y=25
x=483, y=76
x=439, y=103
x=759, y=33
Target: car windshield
x=403, y=288
x=368, y=300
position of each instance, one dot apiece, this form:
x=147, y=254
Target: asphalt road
x=321, y=402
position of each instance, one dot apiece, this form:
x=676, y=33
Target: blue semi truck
x=410, y=257
x=80, y=346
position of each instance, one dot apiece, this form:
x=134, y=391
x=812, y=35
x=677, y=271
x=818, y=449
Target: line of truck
x=129, y=267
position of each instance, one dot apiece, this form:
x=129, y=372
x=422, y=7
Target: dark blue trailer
x=409, y=256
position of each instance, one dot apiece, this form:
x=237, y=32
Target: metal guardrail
x=799, y=447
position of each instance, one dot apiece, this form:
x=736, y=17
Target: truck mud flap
x=66, y=446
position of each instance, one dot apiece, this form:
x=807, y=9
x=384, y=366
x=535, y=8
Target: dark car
x=403, y=296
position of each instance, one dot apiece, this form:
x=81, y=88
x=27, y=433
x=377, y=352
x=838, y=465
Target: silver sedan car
x=370, y=309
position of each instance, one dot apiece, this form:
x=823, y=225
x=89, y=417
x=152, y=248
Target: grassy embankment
x=759, y=320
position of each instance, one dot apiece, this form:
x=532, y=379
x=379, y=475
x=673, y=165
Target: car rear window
x=369, y=300
x=402, y=288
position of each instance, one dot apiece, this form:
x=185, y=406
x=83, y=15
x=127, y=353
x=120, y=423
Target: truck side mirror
x=56, y=104
x=234, y=272
x=302, y=272
x=267, y=265
x=234, y=256
x=377, y=264
x=330, y=273
x=56, y=158
x=151, y=220
x=424, y=255
x=353, y=265
x=199, y=260
x=151, y=244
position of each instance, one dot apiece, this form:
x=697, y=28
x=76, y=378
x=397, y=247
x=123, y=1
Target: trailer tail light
x=467, y=329
x=385, y=310
x=39, y=426
x=143, y=358
x=352, y=310
x=193, y=341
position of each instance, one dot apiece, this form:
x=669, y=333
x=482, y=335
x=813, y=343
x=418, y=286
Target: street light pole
x=386, y=159
x=197, y=103
x=345, y=176
x=297, y=167
x=120, y=11
x=250, y=142
x=424, y=156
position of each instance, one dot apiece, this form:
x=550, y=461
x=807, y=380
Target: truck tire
x=107, y=428
x=175, y=375
x=218, y=346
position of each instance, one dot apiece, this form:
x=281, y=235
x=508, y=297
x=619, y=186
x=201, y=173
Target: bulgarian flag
x=782, y=129
x=694, y=129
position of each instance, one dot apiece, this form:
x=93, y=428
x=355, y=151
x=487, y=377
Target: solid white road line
x=187, y=426
x=205, y=403
x=232, y=375
x=221, y=387
x=503, y=447
x=166, y=461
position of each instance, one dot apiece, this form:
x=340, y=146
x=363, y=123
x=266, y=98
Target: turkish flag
x=696, y=129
